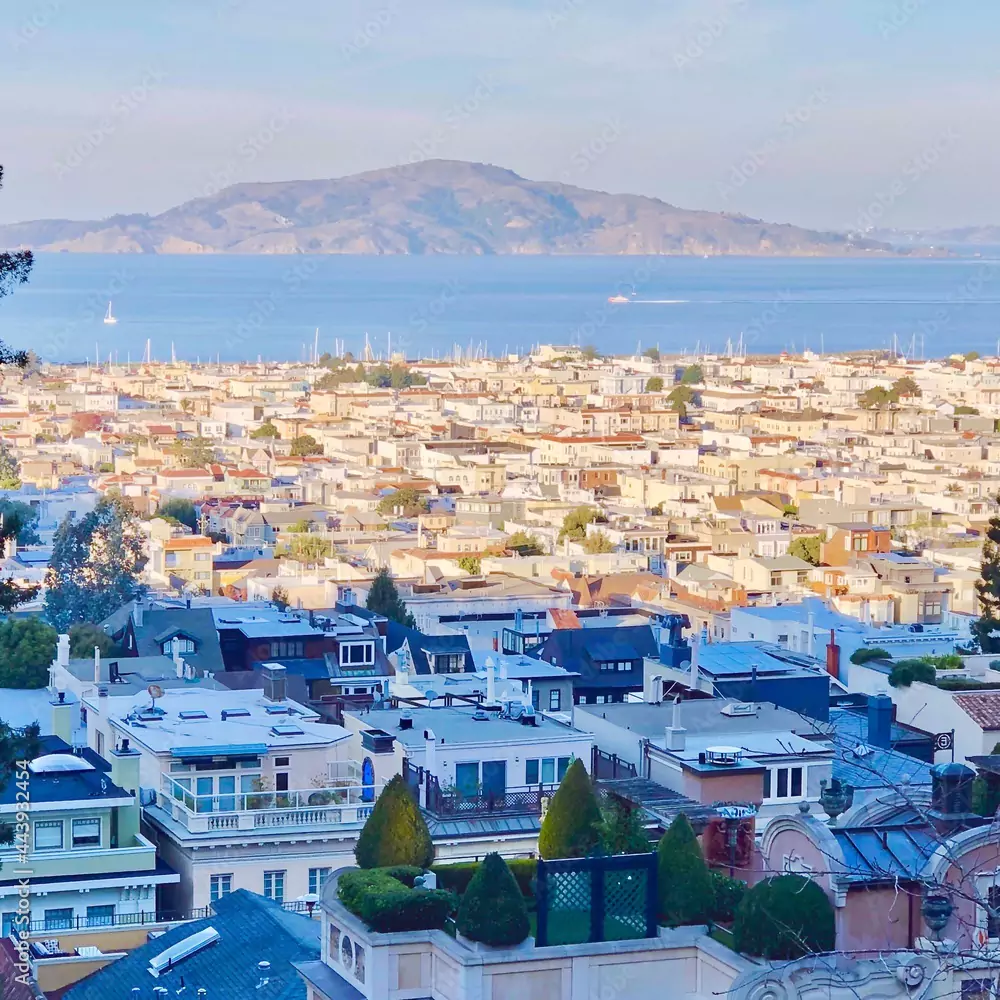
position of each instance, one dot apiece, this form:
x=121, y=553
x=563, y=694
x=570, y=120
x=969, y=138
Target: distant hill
x=962, y=236
x=438, y=206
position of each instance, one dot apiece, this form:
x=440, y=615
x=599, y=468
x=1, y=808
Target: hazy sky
x=808, y=111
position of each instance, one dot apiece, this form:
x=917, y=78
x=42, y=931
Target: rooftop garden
x=925, y=669
x=498, y=903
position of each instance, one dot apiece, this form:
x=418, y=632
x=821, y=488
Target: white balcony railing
x=331, y=806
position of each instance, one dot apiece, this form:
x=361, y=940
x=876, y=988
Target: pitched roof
x=251, y=929
x=983, y=707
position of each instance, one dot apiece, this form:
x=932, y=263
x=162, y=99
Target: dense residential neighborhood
x=482, y=677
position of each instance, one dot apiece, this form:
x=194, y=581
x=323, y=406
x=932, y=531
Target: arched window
x=367, y=780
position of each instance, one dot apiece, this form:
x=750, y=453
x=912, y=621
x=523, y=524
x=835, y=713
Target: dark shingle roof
x=161, y=624
x=420, y=644
x=251, y=929
x=584, y=649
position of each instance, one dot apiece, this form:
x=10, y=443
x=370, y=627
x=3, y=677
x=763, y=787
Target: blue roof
x=823, y=616
x=875, y=767
x=885, y=853
x=222, y=750
x=251, y=930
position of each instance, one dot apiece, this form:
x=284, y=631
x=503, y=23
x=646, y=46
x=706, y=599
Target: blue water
x=242, y=307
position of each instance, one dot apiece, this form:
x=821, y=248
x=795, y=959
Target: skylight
x=189, y=946
x=286, y=730
x=59, y=763
x=193, y=714
x=235, y=713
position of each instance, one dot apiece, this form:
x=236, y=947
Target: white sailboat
x=109, y=318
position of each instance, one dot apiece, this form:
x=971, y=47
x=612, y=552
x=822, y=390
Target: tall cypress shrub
x=571, y=827
x=687, y=895
x=395, y=832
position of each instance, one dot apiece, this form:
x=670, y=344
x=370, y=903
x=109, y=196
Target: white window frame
x=219, y=885
x=773, y=772
x=368, y=654
x=274, y=885
x=89, y=821
x=49, y=825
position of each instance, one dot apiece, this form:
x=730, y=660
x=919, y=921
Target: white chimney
x=97, y=665
x=491, y=681
x=529, y=698
x=695, y=643
x=430, y=752
x=137, y=613
x=675, y=732
x=62, y=651
x=810, y=637
x=175, y=652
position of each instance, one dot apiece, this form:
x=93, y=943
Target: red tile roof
x=983, y=707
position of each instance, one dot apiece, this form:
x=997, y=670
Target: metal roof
x=222, y=750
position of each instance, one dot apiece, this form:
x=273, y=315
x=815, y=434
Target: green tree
x=266, y=432
x=10, y=471
x=15, y=267
x=783, y=918
x=473, y=565
x=679, y=398
x=384, y=599
x=905, y=386
x=597, y=543
x=305, y=444
x=686, y=891
x=589, y=353
x=971, y=355
x=905, y=672
x=805, y=547
x=95, y=565
x=395, y=832
x=575, y=523
x=692, y=375
x=622, y=830
x=654, y=384
x=27, y=648
x=280, y=599
x=524, y=544
x=84, y=636
x=966, y=411
x=19, y=520
x=194, y=453
x=653, y=353
x=309, y=549
x=180, y=510
x=571, y=827
x=877, y=398
x=864, y=654
x=406, y=502
x=988, y=590
x=493, y=910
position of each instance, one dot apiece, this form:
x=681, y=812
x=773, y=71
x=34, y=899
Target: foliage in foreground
x=395, y=832
x=784, y=917
x=493, y=910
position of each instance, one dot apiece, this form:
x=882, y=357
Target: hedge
x=407, y=909
x=382, y=898
x=728, y=893
x=456, y=877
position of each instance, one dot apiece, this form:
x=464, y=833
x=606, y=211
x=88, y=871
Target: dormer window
x=357, y=654
x=184, y=645
x=446, y=663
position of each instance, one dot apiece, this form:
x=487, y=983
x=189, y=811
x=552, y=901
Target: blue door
x=494, y=778
x=367, y=780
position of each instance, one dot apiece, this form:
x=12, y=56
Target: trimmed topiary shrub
x=571, y=827
x=905, y=672
x=687, y=895
x=492, y=910
x=784, y=917
x=728, y=893
x=395, y=832
x=352, y=887
x=456, y=877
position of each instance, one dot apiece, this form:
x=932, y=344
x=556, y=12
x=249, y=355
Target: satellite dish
x=154, y=691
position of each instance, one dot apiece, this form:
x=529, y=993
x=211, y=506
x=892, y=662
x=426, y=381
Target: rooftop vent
x=480, y=716
x=861, y=750
x=235, y=713
x=276, y=709
x=723, y=756
x=734, y=708
x=195, y=713
x=189, y=946
x=405, y=722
